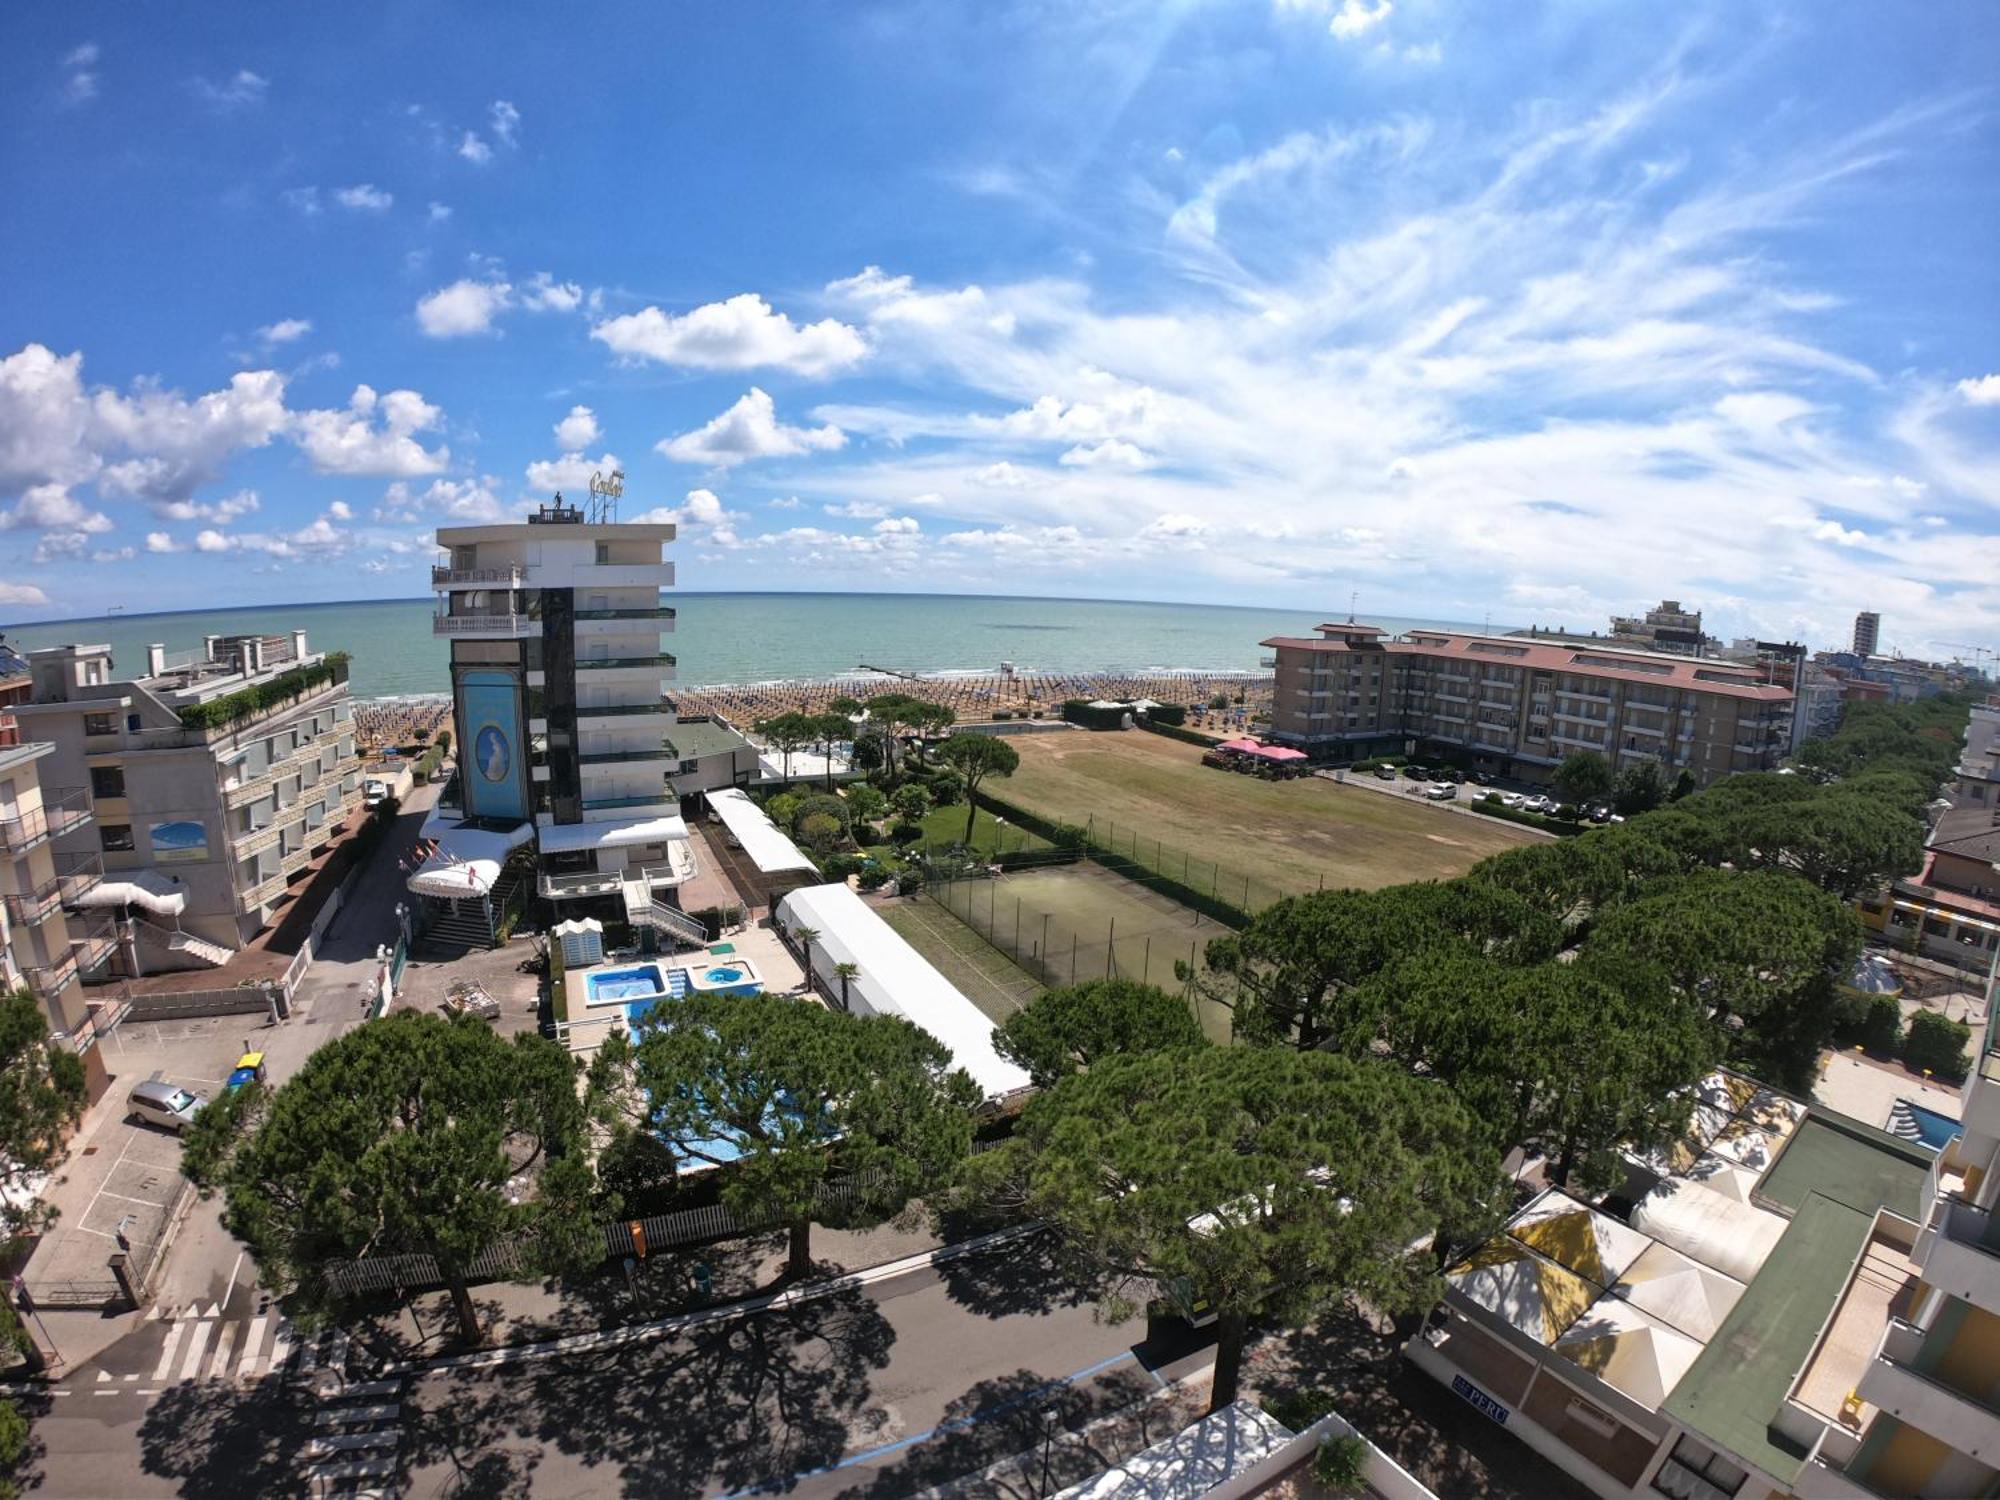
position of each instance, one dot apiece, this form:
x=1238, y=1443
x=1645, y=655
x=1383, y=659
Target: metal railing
x=507, y=625
x=613, y=757
x=75, y=874
x=664, y=794
x=652, y=612
x=510, y=575
x=624, y=710
x=62, y=809
x=50, y=980
x=609, y=663
x=579, y=883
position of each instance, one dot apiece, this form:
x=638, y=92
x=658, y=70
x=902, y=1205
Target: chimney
x=298, y=645
x=208, y=645
x=156, y=659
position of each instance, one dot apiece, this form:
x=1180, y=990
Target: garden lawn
x=1289, y=836
x=946, y=825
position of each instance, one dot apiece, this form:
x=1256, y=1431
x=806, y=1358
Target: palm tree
x=805, y=937
x=846, y=972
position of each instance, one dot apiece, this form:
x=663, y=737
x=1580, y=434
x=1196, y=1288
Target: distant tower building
x=1867, y=632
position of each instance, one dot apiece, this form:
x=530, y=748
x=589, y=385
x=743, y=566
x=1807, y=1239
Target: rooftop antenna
x=1353, y=595
x=605, y=492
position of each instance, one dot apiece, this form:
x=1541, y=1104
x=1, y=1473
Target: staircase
x=215, y=955
x=641, y=910
x=461, y=924
x=1902, y=1123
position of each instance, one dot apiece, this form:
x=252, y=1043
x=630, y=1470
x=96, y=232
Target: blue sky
x=1536, y=311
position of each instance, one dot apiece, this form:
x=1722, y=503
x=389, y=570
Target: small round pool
x=723, y=975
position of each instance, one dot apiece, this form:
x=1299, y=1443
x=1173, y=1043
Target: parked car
x=1537, y=804
x=1443, y=791
x=374, y=793
x=1511, y=799
x=1448, y=773
x=1385, y=773
x=1597, y=812
x=1482, y=778
x=1417, y=773
x=167, y=1105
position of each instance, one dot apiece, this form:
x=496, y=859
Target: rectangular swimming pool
x=613, y=986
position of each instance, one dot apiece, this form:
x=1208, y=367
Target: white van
x=167, y=1105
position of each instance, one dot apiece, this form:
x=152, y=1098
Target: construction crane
x=1977, y=651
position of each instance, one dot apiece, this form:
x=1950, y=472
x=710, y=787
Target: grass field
x=946, y=825
x=1068, y=923
x=1289, y=835
x=984, y=975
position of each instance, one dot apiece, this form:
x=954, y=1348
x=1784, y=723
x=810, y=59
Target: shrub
x=1069, y=836
x=840, y=866
x=1078, y=711
x=910, y=880
x=866, y=803
x=1342, y=1464
x=1937, y=1045
x=874, y=877
x=1298, y=1410
x=782, y=808
x=906, y=833
x=1872, y=1022
x=233, y=707
x=820, y=805
x=1167, y=713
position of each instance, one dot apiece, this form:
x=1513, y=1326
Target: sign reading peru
x=492, y=773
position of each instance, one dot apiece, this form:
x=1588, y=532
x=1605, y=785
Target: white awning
x=159, y=894
x=568, y=838
x=896, y=980
x=769, y=850
x=467, y=860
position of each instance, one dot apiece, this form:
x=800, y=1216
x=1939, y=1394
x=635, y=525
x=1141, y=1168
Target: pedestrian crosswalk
x=203, y=1345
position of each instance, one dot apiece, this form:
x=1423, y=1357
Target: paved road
x=876, y=1391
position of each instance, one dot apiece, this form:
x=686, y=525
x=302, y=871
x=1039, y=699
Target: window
x=98, y=724
x=1694, y=1471
x=107, y=781
x=116, y=837
x=689, y=767
x=603, y=553
x=132, y=722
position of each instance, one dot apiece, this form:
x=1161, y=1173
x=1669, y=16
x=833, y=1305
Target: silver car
x=167, y=1105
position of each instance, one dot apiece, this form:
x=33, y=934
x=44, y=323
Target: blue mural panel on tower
x=494, y=769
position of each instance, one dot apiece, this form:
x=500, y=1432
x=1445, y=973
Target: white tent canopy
x=769, y=850
x=159, y=894
x=1710, y=1227
x=467, y=860
x=896, y=980
x=568, y=838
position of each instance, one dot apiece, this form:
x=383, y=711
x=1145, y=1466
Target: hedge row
x=1079, y=712
x=1492, y=807
x=244, y=703
x=1176, y=732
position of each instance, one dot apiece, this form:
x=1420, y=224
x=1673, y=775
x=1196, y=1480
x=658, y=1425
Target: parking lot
x=122, y=1177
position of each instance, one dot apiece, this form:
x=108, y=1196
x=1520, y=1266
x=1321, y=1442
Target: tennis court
x=983, y=974
x=1064, y=924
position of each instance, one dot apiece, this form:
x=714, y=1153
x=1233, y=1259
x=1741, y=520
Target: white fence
x=1384, y=1475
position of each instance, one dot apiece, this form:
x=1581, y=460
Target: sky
x=1534, y=311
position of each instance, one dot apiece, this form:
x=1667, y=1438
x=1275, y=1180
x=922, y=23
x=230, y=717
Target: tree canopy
x=976, y=757
x=1582, y=775
x=41, y=1096
x=411, y=1134
x=1256, y=1182
x=789, y=1097
x=1064, y=1030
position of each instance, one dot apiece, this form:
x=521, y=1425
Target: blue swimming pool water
x=625, y=984
x=723, y=975
x=1933, y=1129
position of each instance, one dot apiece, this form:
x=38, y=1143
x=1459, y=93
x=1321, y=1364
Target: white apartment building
x=562, y=725
x=212, y=780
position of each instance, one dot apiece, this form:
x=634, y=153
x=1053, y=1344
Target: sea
x=743, y=638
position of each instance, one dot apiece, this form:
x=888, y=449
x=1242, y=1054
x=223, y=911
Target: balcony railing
x=515, y=626
x=50, y=980
x=649, y=612
x=579, y=883
x=664, y=794
x=506, y=576
x=614, y=757
x=611, y=663
x=62, y=809
x=626, y=710
x=76, y=873
x=95, y=946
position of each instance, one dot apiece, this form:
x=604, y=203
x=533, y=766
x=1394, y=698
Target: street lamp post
x=1051, y=1416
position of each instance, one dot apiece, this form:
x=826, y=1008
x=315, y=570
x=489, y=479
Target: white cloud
x=1839, y=535
x=364, y=197
x=453, y=499
x=475, y=150
x=1984, y=391
x=505, y=120
x=285, y=330
x=1356, y=17
x=340, y=510
x=702, y=517
x=1174, y=527
x=570, y=472
x=1112, y=453
x=243, y=89
x=1004, y=476
x=748, y=430
x=353, y=441
x=544, y=293
x=159, y=541
x=222, y=511
x=439, y=212
x=465, y=307
x=210, y=540
x=21, y=593
x=578, y=430
x=51, y=507
x=80, y=80
x=304, y=200
x=742, y=333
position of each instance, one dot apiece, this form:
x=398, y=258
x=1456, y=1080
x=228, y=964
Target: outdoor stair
x=643, y=911
x=1902, y=1122
x=176, y=941
x=462, y=925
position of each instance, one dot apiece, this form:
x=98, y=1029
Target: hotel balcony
x=47, y=981
x=665, y=797
x=666, y=755
x=62, y=809
x=1915, y=1378
x=642, y=612
x=1959, y=1250
x=486, y=627
x=505, y=576
x=75, y=874
x=579, y=883
x=98, y=941
x=624, y=663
